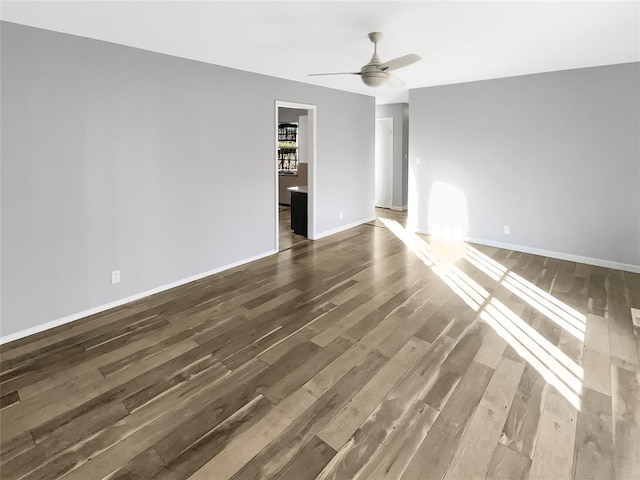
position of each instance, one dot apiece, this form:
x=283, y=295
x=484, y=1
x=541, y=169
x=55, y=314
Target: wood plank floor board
x=597, y=368
x=381, y=331
x=441, y=319
x=271, y=294
x=88, y=368
x=268, y=463
x=182, y=462
x=350, y=461
x=15, y=446
x=432, y=458
x=276, y=351
x=343, y=324
x=598, y=292
x=571, y=346
x=416, y=302
x=594, y=438
x=61, y=373
x=520, y=431
x=363, y=327
x=247, y=445
x=303, y=373
x=342, y=358
x=480, y=439
x=548, y=274
x=507, y=464
x=148, y=359
x=390, y=345
x=147, y=464
x=623, y=348
x=563, y=281
x=142, y=355
x=550, y=330
x=51, y=445
x=391, y=460
x=578, y=296
x=383, y=420
x=344, y=424
x=492, y=348
x=122, y=441
x=330, y=374
x=309, y=462
x=632, y=282
x=8, y=399
x=141, y=393
x=265, y=336
x=330, y=318
x=626, y=422
x=454, y=366
x=48, y=340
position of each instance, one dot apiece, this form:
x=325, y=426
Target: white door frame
x=311, y=180
x=392, y=152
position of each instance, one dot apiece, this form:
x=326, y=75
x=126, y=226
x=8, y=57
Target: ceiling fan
x=376, y=73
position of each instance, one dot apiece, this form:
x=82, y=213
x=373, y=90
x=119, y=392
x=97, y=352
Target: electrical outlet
x=417, y=160
x=507, y=230
x=341, y=215
x=115, y=276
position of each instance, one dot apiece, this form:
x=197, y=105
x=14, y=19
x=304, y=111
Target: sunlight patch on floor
x=555, y=366
x=563, y=315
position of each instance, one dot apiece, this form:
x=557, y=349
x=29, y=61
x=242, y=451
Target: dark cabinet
x=299, y=212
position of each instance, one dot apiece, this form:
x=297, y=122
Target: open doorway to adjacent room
x=392, y=161
x=295, y=155
x=384, y=163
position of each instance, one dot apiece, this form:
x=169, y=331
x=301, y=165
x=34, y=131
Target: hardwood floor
x=371, y=354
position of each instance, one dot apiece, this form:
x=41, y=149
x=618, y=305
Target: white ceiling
x=459, y=41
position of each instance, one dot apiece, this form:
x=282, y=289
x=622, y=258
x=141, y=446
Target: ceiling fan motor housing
x=372, y=76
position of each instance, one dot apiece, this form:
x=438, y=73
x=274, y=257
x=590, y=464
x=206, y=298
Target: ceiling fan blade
x=400, y=62
x=339, y=73
x=395, y=83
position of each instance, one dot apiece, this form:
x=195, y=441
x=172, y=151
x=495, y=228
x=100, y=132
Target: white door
x=384, y=162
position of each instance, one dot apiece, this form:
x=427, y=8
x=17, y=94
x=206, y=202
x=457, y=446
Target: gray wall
x=553, y=155
x=119, y=158
x=400, y=114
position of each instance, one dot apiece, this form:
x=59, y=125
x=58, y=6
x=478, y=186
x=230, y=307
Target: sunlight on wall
x=554, y=365
x=447, y=221
x=447, y=212
x=412, y=202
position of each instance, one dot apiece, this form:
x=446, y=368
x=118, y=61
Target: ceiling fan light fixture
x=375, y=79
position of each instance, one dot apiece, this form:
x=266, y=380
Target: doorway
x=384, y=163
x=295, y=148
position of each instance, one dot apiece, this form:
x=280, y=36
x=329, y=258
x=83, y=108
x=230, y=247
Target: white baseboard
x=116, y=303
x=399, y=209
x=343, y=228
x=598, y=262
